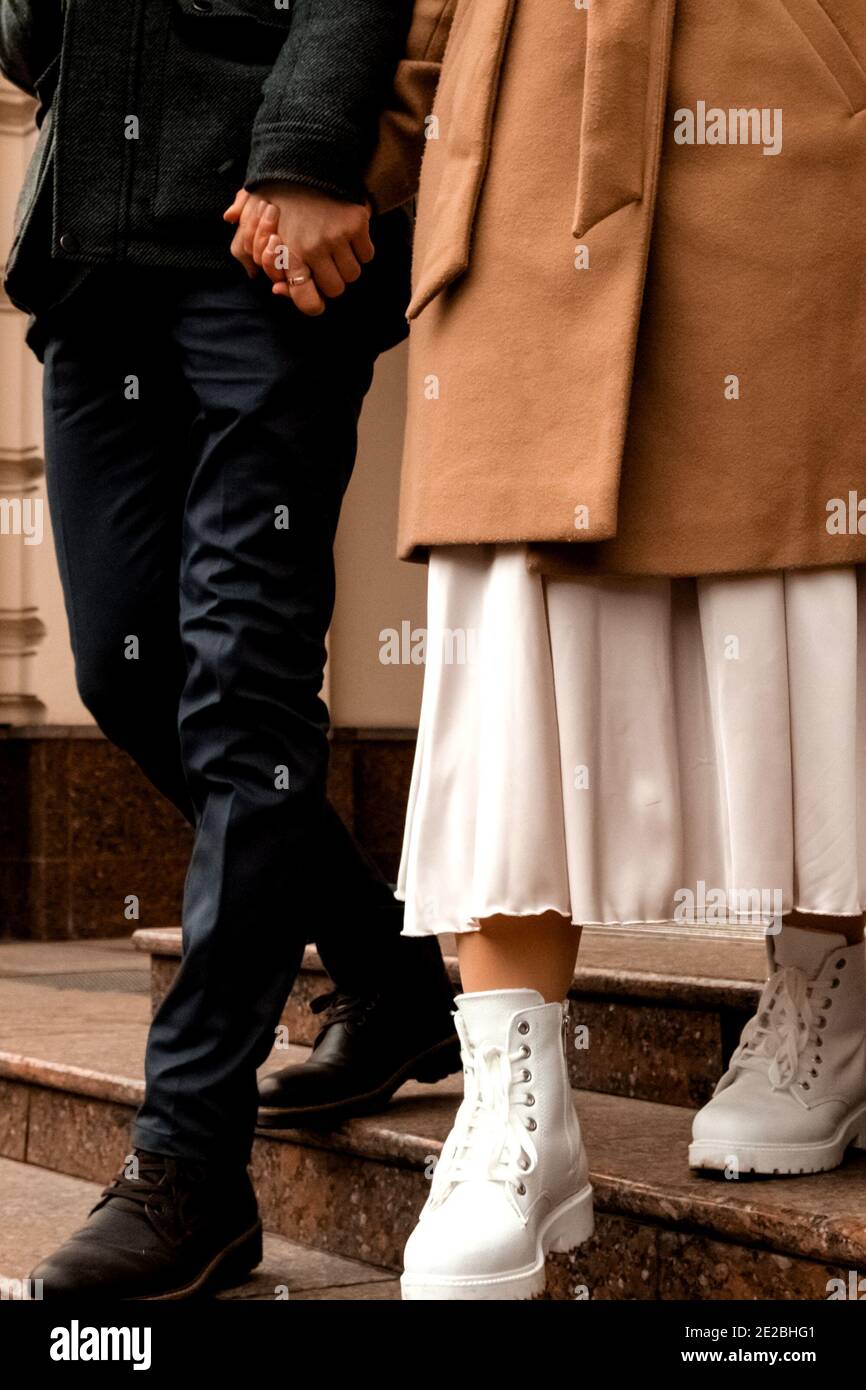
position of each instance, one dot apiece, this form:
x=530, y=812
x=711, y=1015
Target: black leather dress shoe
x=369, y=1046
x=165, y=1228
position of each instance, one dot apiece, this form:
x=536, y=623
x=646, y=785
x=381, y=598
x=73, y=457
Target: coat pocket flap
x=627, y=56
x=457, y=160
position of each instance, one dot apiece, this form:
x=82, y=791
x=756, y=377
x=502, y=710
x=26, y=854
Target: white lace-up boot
x=512, y=1180
x=794, y=1096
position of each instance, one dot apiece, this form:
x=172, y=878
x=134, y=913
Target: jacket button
x=69, y=242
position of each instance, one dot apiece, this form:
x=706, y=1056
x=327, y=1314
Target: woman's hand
x=309, y=244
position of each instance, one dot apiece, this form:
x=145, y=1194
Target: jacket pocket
x=625, y=87
x=822, y=23
x=212, y=69
x=261, y=11
x=464, y=107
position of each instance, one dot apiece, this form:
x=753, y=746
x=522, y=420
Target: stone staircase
x=652, y=1022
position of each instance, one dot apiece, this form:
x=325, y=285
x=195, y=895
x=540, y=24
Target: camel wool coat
x=639, y=298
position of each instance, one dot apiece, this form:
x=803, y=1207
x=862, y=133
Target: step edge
x=615, y=1195
x=682, y=991
x=70, y=1079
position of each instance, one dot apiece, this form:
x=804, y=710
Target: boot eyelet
x=523, y=1163
x=525, y=1051
x=835, y=984
x=813, y=1072
x=840, y=964
x=819, y=1060
x=531, y=1124
x=521, y=1189
x=822, y=1023
x=526, y=1075
x=529, y=1100
x=804, y=1086
x=827, y=1004
x=523, y=1026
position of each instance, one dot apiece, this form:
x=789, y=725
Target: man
x=200, y=433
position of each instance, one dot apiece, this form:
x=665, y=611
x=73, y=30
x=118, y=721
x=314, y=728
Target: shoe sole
x=432, y=1065
x=782, y=1159
x=567, y=1227
x=230, y=1267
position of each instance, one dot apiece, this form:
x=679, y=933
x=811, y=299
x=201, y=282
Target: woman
x=634, y=461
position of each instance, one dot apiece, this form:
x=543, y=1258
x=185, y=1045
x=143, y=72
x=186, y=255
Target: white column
x=21, y=462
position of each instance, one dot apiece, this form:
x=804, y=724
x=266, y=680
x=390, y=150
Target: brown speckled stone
x=82, y=821
x=99, y=886
x=620, y=1262
x=638, y=1156
x=80, y=827
x=113, y=810
x=357, y=1190
x=651, y=1051
x=341, y=780
x=692, y=1267
x=35, y=897
x=17, y=831
x=382, y=777
x=72, y=1134
x=337, y=1201
x=13, y=1120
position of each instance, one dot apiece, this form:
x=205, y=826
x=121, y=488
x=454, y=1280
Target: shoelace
x=340, y=1006
x=153, y=1179
x=159, y=1188
x=783, y=1030
x=489, y=1141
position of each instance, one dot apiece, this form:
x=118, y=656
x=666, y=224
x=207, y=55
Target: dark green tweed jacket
x=153, y=112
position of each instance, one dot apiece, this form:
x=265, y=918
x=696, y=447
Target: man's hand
x=309, y=244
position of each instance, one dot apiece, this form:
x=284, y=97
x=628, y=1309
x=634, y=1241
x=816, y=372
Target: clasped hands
x=309, y=244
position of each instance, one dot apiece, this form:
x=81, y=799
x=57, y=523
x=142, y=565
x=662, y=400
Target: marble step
x=652, y=1017
x=41, y=1208
x=71, y=1077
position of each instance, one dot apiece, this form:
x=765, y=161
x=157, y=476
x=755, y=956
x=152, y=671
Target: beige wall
x=375, y=591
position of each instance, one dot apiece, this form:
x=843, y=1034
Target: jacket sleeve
x=394, y=171
x=319, y=116
x=31, y=33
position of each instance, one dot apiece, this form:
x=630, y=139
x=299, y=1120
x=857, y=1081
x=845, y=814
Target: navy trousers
x=200, y=434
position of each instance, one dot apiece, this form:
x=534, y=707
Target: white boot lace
x=490, y=1140
x=784, y=1036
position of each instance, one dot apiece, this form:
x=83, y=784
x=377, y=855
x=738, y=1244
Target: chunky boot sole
x=434, y=1064
x=565, y=1228
x=231, y=1266
x=782, y=1159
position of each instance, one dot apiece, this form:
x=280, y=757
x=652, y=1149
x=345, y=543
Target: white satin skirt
x=629, y=752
